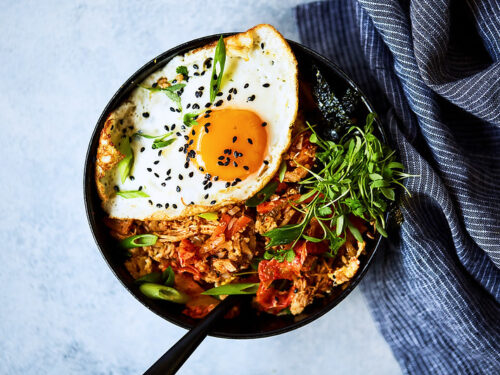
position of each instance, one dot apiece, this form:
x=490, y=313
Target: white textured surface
x=61, y=309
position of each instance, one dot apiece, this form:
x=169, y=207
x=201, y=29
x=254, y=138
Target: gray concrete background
x=61, y=309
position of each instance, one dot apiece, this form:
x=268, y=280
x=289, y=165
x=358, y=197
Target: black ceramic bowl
x=249, y=324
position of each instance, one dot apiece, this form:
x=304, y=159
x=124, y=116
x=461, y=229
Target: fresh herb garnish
x=190, y=119
x=158, y=291
x=159, y=140
x=139, y=240
x=168, y=276
x=282, y=171
x=356, y=176
x=209, y=216
x=216, y=78
x=132, y=194
x=262, y=195
x=172, y=92
x=230, y=289
x=125, y=165
x=182, y=70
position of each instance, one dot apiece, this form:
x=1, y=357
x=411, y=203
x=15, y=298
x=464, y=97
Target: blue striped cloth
x=432, y=70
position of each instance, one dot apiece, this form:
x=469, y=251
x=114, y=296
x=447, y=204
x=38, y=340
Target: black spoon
x=175, y=357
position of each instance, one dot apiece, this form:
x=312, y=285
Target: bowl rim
x=89, y=174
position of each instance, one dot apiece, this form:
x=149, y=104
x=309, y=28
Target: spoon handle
x=175, y=357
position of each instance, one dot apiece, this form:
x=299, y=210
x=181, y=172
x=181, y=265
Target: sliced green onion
x=168, y=276
x=153, y=277
x=125, y=165
x=163, y=292
x=189, y=119
x=262, y=195
x=139, y=240
x=230, y=289
x=282, y=171
x=161, y=143
x=220, y=58
x=209, y=216
x=132, y=194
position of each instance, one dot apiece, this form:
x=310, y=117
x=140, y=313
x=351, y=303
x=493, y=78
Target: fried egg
x=219, y=152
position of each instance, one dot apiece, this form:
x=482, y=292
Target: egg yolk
x=230, y=142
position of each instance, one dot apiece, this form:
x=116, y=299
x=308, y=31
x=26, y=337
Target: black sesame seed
x=172, y=127
x=231, y=90
x=206, y=115
x=228, y=184
x=198, y=94
x=227, y=162
x=180, y=177
x=266, y=162
x=188, y=105
x=220, y=93
x=174, y=205
x=201, y=88
x=168, y=178
x=178, y=110
x=215, y=76
x=196, y=74
x=206, y=196
x=201, y=169
x=150, y=202
x=142, y=149
x=208, y=111
x=157, y=175
x=195, y=66
x=191, y=174
x=213, y=202
x=206, y=129
x=227, y=151
x=149, y=169
x=132, y=178
x=192, y=154
x=262, y=45
x=237, y=179
x=156, y=162
x=220, y=163
x=186, y=165
x=159, y=152
x=202, y=73
x=266, y=85
x=264, y=124
x=208, y=124
x=181, y=149
x=221, y=157
x=208, y=105
x=196, y=106
x=172, y=109
x=193, y=132
x=251, y=98
x=116, y=188
x=178, y=134
x=159, y=205
x=163, y=184
x=216, y=178
x=235, y=164
x=145, y=114
x=246, y=85
x=186, y=137
x=191, y=142
x=250, y=141
x=235, y=138
x=229, y=97
x=178, y=189
x=245, y=167
x=154, y=85
x=174, y=81
x=166, y=205
x=235, y=91
x=208, y=176
x=208, y=63
x=219, y=103
x=140, y=188
x=168, y=172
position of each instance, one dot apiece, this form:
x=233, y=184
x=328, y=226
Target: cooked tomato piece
x=273, y=300
x=239, y=225
x=198, y=305
x=269, y=206
x=270, y=270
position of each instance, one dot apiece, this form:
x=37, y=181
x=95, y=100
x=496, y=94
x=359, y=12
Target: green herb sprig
x=219, y=59
x=356, y=176
x=160, y=141
x=171, y=92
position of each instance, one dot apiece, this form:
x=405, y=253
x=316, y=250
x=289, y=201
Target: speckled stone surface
x=61, y=309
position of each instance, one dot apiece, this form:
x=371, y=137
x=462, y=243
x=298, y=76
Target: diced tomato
x=186, y=253
x=198, y=305
x=272, y=300
x=270, y=270
x=282, y=186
